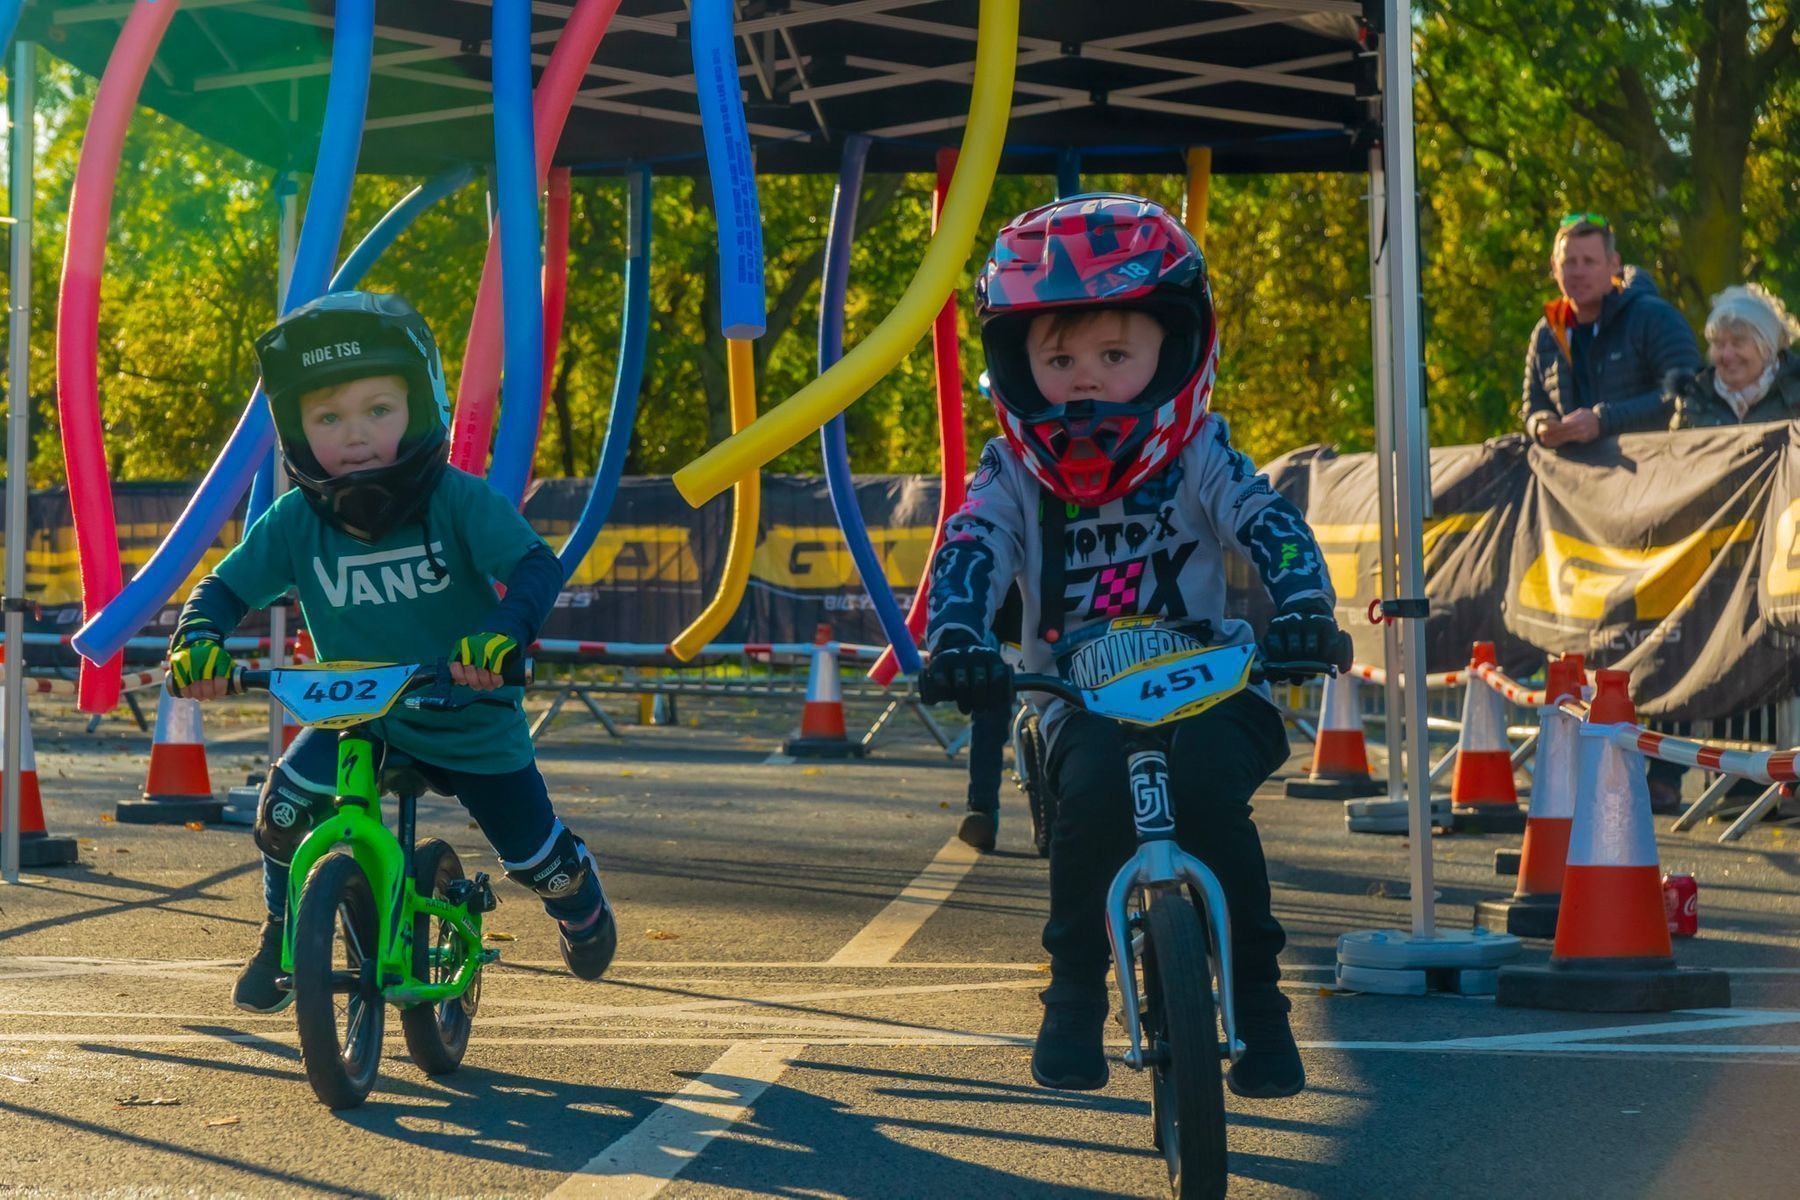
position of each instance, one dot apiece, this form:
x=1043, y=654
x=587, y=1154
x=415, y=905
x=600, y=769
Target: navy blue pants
x=512, y=809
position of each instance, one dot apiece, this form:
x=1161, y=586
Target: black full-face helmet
x=343, y=336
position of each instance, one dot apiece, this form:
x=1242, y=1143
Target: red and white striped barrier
x=1433, y=679
x=660, y=650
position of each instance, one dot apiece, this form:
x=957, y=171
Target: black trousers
x=990, y=730
x=1216, y=762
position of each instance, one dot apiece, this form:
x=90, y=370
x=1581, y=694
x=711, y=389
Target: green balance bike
x=1166, y=917
x=372, y=918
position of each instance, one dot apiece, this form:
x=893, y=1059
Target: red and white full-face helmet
x=1099, y=250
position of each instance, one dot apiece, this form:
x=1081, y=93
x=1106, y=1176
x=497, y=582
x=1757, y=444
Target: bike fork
x=1161, y=866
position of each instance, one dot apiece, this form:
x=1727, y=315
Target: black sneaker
x=979, y=829
x=1270, y=1067
x=255, y=990
x=1070, y=1053
x=587, y=954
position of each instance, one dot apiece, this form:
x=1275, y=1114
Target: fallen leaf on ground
x=497, y=936
x=147, y=1102
x=659, y=935
x=121, y=849
x=811, y=771
x=196, y=826
x=943, y=804
x=214, y=1124
x=107, y=818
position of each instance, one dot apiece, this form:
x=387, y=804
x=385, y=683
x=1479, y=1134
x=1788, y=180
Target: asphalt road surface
x=819, y=994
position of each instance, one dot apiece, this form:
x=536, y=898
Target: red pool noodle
x=472, y=433
x=556, y=284
x=952, y=449
x=78, y=333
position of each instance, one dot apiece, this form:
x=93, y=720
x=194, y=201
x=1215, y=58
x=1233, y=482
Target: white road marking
x=640, y=1164
x=906, y=914
x=644, y=1161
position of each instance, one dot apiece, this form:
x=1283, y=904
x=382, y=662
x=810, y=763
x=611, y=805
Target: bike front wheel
x=337, y=982
x=1187, y=1091
x=437, y=1035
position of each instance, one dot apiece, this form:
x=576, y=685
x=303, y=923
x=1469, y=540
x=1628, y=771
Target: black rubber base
x=1521, y=916
x=168, y=810
x=1632, y=986
x=823, y=748
x=46, y=851
x=1488, y=818
x=1506, y=860
x=1323, y=787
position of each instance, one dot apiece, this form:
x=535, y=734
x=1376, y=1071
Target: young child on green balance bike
x=1114, y=494
x=394, y=554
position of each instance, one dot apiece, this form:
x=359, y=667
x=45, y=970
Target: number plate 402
x=340, y=694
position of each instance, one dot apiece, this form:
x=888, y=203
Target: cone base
x=1507, y=859
x=49, y=852
x=1640, y=986
x=1521, y=916
x=817, y=747
x=1327, y=787
x=1489, y=818
x=168, y=810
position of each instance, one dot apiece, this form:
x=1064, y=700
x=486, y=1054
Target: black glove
x=1305, y=640
x=969, y=672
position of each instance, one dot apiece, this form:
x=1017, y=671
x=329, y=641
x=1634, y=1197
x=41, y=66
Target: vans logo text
x=402, y=575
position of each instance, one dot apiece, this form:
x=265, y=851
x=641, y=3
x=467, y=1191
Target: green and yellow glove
x=196, y=653
x=485, y=651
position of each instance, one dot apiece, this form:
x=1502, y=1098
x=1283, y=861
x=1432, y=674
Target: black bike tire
x=437, y=1035
x=339, y=1080
x=1037, y=788
x=1187, y=1087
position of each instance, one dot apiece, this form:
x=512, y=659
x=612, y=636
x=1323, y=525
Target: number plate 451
x=338, y=694
x=1174, y=686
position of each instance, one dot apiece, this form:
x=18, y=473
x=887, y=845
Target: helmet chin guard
x=1112, y=252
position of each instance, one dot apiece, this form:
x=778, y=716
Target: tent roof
x=1271, y=85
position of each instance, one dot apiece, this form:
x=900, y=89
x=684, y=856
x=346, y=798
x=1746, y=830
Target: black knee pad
x=558, y=872
x=289, y=808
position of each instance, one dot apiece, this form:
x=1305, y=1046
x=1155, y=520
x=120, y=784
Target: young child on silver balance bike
x=394, y=554
x=1114, y=493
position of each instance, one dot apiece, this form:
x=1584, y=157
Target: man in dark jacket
x=1598, y=359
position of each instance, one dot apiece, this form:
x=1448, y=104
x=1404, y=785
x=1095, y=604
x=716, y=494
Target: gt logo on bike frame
x=1150, y=794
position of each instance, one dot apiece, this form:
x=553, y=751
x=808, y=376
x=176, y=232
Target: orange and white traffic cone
x=822, y=720
x=1340, y=765
x=178, y=789
x=1482, y=795
x=290, y=729
x=1612, y=950
x=36, y=847
x=1532, y=908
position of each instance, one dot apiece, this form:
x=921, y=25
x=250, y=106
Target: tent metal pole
x=1387, y=579
x=278, y=613
x=1409, y=463
x=18, y=447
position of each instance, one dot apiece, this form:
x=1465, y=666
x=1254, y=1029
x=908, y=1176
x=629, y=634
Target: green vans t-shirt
x=385, y=602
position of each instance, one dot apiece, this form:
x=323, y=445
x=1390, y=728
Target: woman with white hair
x=1754, y=377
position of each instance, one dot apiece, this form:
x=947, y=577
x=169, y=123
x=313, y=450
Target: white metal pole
x=1411, y=441
x=18, y=448
x=1386, y=577
x=290, y=208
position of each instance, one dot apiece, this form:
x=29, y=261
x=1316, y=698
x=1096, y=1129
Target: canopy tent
x=1270, y=85
x=1264, y=85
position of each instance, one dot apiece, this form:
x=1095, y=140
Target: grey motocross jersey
x=1157, y=552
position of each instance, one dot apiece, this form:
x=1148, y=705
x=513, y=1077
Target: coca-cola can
x=1681, y=905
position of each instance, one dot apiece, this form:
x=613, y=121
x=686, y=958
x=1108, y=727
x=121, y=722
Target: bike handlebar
x=424, y=676
x=1062, y=689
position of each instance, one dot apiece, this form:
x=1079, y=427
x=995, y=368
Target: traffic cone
x=1340, y=765
x=1532, y=908
x=36, y=847
x=178, y=789
x=1482, y=795
x=290, y=729
x=822, y=720
x=1612, y=950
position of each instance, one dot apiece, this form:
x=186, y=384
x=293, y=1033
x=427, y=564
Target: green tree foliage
x=1680, y=121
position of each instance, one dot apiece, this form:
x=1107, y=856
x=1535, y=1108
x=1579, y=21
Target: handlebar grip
x=513, y=674
x=243, y=680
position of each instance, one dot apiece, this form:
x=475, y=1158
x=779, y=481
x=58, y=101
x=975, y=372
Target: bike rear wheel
x=337, y=982
x=1037, y=787
x=437, y=1035
x=1187, y=1091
